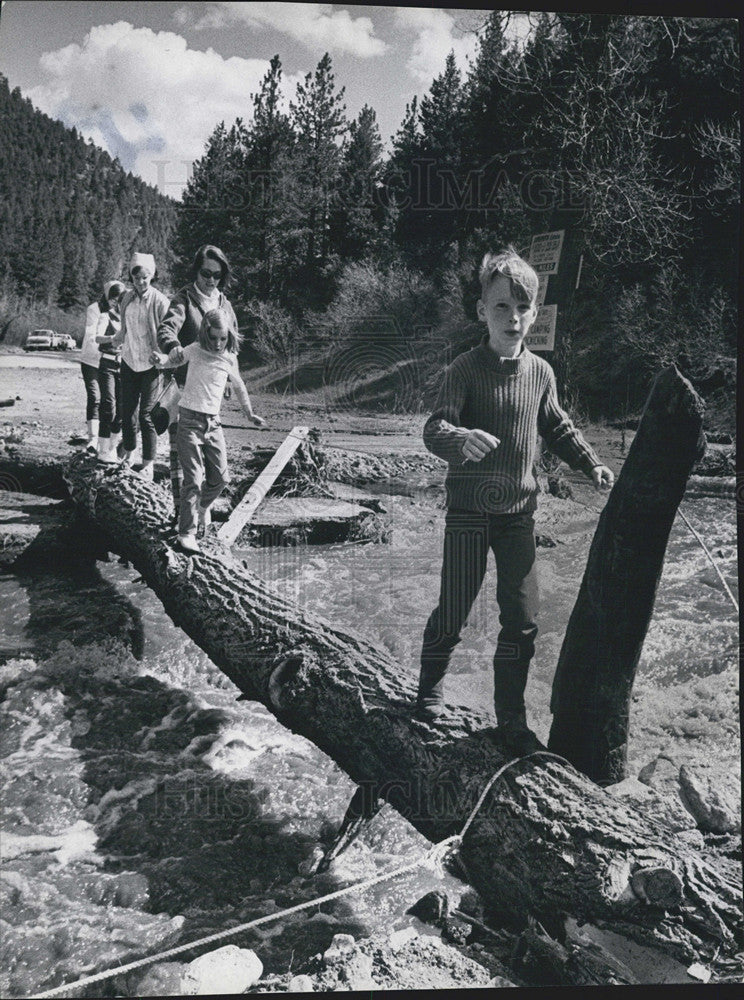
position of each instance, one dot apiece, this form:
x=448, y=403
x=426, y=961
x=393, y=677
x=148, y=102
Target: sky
x=148, y=82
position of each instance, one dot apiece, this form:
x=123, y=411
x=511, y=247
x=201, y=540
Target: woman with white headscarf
x=142, y=311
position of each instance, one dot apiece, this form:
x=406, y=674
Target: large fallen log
x=546, y=840
x=596, y=668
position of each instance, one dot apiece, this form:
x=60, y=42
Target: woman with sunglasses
x=209, y=274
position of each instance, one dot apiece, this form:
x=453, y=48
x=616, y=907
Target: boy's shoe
x=147, y=472
x=514, y=735
x=127, y=458
x=188, y=543
x=429, y=708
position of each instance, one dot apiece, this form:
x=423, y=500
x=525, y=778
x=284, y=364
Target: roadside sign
x=542, y=287
x=542, y=335
x=545, y=251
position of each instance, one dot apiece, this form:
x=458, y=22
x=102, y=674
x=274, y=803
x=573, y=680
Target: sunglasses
x=206, y=273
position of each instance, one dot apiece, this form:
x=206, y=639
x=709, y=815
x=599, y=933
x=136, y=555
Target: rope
x=432, y=859
x=710, y=560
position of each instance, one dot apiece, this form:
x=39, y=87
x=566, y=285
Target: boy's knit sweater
x=515, y=399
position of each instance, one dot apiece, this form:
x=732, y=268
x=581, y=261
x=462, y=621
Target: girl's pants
x=110, y=385
x=468, y=537
x=92, y=393
x=139, y=388
x=201, y=449
x=176, y=472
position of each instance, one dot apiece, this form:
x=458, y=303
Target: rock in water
x=226, y=970
x=432, y=908
x=341, y=946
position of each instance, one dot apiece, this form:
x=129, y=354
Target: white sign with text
x=542, y=335
x=545, y=251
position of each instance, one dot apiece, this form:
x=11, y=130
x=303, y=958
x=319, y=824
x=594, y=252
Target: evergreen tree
x=356, y=223
x=319, y=122
x=269, y=146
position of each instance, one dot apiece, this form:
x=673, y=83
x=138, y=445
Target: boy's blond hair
x=508, y=264
x=218, y=318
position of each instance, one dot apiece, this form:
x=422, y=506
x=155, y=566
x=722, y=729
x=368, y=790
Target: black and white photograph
x=368, y=499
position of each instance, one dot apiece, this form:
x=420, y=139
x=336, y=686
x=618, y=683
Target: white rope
x=432, y=859
x=711, y=560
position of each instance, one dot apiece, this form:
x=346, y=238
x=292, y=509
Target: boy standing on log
x=493, y=403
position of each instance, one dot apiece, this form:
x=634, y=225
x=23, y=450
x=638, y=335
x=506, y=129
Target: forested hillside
x=621, y=130
x=69, y=214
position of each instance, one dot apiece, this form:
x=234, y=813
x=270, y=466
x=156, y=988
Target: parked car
x=49, y=340
x=41, y=340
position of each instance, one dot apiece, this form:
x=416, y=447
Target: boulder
x=341, y=946
x=664, y=807
x=225, y=971
x=432, y=908
x=160, y=980
x=713, y=805
x=300, y=984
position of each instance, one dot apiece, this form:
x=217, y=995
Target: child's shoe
x=147, y=472
x=127, y=458
x=429, y=708
x=188, y=543
x=430, y=696
x=514, y=735
x=106, y=452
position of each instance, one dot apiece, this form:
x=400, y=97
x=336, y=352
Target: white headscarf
x=145, y=260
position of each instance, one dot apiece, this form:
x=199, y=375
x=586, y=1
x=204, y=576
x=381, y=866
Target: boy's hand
x=158, y=359
x=477, y=445
x=256, y=420
x=602, y=477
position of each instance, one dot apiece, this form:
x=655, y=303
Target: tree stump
x=597, y=663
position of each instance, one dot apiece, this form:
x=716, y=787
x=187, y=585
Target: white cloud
x=146, y=97
x=312, y=24
x=436, y=35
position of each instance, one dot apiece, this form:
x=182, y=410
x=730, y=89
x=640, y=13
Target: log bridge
x=549, y=841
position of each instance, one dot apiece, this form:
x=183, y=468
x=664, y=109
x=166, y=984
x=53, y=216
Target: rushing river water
x=143, y=805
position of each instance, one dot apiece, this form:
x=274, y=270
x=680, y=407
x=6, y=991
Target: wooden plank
x=242, y=514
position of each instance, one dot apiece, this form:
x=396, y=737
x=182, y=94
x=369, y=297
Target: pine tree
x=269, y=145
x=319, y=122
x=356, y=222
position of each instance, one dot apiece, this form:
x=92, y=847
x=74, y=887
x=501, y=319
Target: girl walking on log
x=142, y=311
x=211, y=358
x=209, y=277
x=96, y=323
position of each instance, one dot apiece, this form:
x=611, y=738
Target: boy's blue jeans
x=467, y=539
